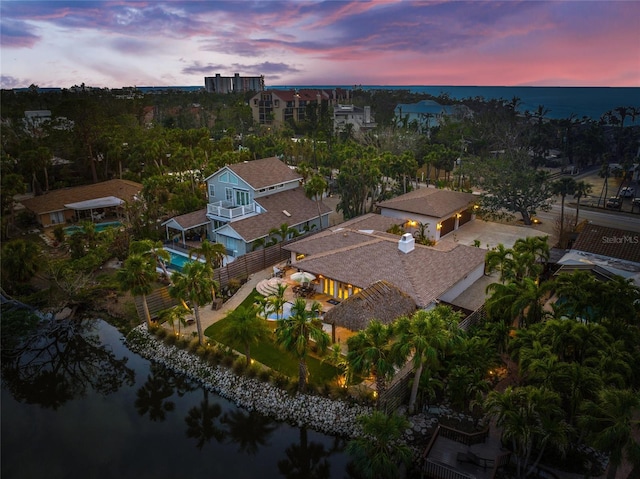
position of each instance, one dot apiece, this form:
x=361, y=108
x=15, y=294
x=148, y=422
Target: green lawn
x=269, y=354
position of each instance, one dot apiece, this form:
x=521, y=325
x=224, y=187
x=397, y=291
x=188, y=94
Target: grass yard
x=270, y=354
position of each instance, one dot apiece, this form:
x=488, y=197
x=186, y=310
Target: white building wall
x=462, y=285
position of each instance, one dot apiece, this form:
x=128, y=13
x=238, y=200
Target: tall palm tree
x=531, y=419
x=530, y=253
x=370, y=354
x=313, y=189
x=194, y=286
x=138, y=275
x=294, y=333
x=426, y=336
x=582, y=189
x=611, y=422
x=213, y=255
x=563, y=187
x=155, y=250
x=521, y=300
x=500, y=259
x=246, y=328
x=379, y=453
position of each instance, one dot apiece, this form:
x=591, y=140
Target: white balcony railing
x=221, y=211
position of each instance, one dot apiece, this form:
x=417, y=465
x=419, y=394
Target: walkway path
x=209, y=316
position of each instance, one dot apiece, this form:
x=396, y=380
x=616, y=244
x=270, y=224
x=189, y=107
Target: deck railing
x=217, y=209
x=466, y=438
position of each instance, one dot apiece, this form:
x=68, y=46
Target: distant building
x=276, y=107
x=428, y=113
x=234, y=84
x=360, y=118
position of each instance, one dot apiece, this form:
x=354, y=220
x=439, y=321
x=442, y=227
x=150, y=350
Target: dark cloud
x=17, y=34
x=8, y=82
x=132, y=46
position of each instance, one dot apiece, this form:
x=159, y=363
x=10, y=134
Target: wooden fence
x=474, y=318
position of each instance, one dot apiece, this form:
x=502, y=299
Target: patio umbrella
x=303, y=277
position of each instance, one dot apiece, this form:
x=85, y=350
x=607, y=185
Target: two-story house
x=248, y=200
x=360, y=118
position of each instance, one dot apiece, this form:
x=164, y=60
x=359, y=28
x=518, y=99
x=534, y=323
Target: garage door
x=447, y=226
x=466, y=216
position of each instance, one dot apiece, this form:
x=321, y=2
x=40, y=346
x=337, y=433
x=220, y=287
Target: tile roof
x=56, y=199
x=611, y=242
x=432, y=202
x=360, y=259
x=303, y=94
x=300, y=208
x=264, y=172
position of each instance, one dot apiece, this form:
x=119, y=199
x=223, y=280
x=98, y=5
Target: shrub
x=252, y=371
x=171, y=339
x=280, y=380
x=239, y=366
x=264, y=375
x=227, y=360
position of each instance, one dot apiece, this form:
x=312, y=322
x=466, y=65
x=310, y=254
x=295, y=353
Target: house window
x=56, y=217
x=212, y=191
x=242, y=197
x=228, y=194
x=229, y=243
x=227, y=177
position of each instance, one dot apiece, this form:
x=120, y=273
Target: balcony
x=225, y=211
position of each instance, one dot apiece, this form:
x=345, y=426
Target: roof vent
x=286, y=213
x=406, y=243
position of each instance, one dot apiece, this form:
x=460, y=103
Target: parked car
x=635, y=203
x=615, y=203
x=627, y=192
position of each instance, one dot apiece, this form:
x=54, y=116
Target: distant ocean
x=561, y=102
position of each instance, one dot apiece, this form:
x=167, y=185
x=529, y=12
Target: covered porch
x=97, y=209
x=187, y=229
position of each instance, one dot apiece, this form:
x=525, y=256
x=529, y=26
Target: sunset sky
x=303, y=42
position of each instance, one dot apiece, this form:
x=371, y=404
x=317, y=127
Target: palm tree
x=370, y=354
x=379, y=452
x=582, y=188
x=313, y=189
x=531, y=419
x=174, y=315
x=194, y=286
x=500, y=259
x=610, y=422
x=294, y=333
x=212, y=253
x=563, y=187
x=521, y=300
x=200, y=421
x=426, y=337
x=277, y=300
x=155, y=250
x=284, y=231
x=530, y=253
x=138, y=275
x=246, y=328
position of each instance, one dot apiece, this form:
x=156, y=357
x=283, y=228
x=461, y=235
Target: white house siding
x=462, y=285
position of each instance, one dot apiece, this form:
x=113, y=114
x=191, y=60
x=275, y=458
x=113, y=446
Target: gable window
x=227, y=177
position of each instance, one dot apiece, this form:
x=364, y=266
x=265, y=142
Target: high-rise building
x=234, y=84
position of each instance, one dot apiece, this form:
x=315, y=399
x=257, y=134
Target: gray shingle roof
x=430, y=202
x=300, y=208
x=611, y=242
x=361, y=259
x=264, y=172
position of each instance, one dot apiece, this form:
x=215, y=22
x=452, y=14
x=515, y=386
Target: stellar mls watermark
x=622, y=239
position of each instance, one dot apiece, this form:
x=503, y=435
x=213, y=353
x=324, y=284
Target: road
x=610, y=219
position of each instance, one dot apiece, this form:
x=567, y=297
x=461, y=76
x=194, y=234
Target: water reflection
x=51, y=362
x=114, y=428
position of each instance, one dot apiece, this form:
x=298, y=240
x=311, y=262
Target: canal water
x=76, y=403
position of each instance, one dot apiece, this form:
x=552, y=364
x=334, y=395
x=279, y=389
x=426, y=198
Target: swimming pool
x=178, y=259
x=99, y=227
x=286, y=312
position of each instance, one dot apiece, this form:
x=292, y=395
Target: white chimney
x=406, y=243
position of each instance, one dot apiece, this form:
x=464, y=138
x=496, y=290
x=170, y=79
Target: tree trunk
x=561, y=242
x=145, y=307
x=577, y=213
x=526, y=217
x=196, y=312
x=302, y=375
x=414, y=388
x=247, y=353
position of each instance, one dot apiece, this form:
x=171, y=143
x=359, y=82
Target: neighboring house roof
x=264, y=172
x=302, y=95
x=610, y=242
x=189, y=220
x=56, y=200
x=360, y=259
x=300, y=208
x=432, y=202
x=371, y=222
x=382, y=301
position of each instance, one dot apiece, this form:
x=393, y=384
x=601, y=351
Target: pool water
x=178, y=260
x=286, y=312
x=99, y=227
